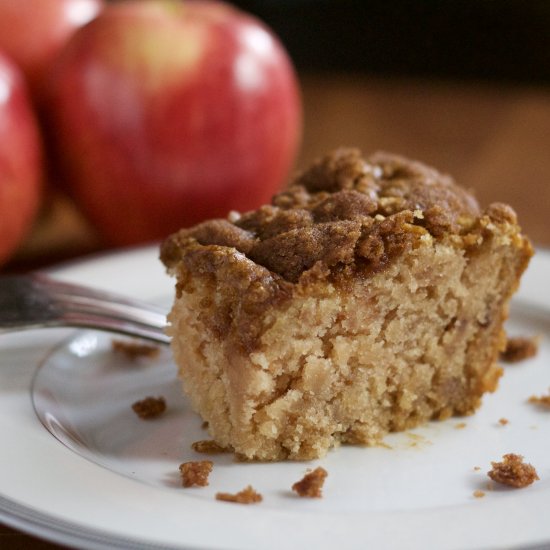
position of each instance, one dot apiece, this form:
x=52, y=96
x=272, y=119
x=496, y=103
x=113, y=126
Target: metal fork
x=38, y=301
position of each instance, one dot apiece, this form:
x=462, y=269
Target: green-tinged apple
x=20, y=159
x=166, y=113
x=33, y=31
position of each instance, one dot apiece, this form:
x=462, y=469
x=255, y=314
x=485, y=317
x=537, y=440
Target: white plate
x=109, y=480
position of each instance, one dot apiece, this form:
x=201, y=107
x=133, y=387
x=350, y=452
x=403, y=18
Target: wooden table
x=492, y=138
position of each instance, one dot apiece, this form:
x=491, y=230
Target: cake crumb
x=460, y=426
x=476, y=468
x=416, y=440
x=134, y=350
x=520, y=348
x=503, y=421
x=311, y=485
x=543, y=400
x=150, y=407
x=513, y=471
x=209, y=447
x=195, y=473
x=247, y=496
x=204, y=425
x=479, y=494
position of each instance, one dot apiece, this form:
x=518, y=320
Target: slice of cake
x=368, y=297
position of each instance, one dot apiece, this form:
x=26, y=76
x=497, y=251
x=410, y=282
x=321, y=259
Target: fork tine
x=59, y=289
x=118, y=325
x=19, y=297
x=77, y=299
x=84, y=305
x=38, y=301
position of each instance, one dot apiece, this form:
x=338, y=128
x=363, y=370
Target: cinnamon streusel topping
x=342, y=211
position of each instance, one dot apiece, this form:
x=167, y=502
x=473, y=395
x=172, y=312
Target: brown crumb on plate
x=512, y=471
x=195, y=474
x=503, y=421
x=520, y=348
x=311, y=485
x=479, y=494
x=209, y=447
x=204, y=425
x=134, y=350
x=150, y=407
x=543, y=400
x=476, y=468
x=460, y=425
x=247, y=496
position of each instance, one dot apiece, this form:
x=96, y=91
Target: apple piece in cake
x=369, y=297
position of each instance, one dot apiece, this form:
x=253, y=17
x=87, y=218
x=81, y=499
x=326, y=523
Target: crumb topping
x=134, y=350
x=542, y=400
x=311, y=485
x=513, y=471
x=344, y=210
x=209, y=447
x=195, y=474
x=247, y=496
x=150, y=407
x=519, y=349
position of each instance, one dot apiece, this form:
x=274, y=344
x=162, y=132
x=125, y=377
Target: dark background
x=492, y=40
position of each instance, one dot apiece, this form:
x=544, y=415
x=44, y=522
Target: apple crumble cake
x=368, y=297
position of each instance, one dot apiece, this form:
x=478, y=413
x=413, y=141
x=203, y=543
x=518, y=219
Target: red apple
x=33, y=31
x=20, y=160
x=167, y=113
